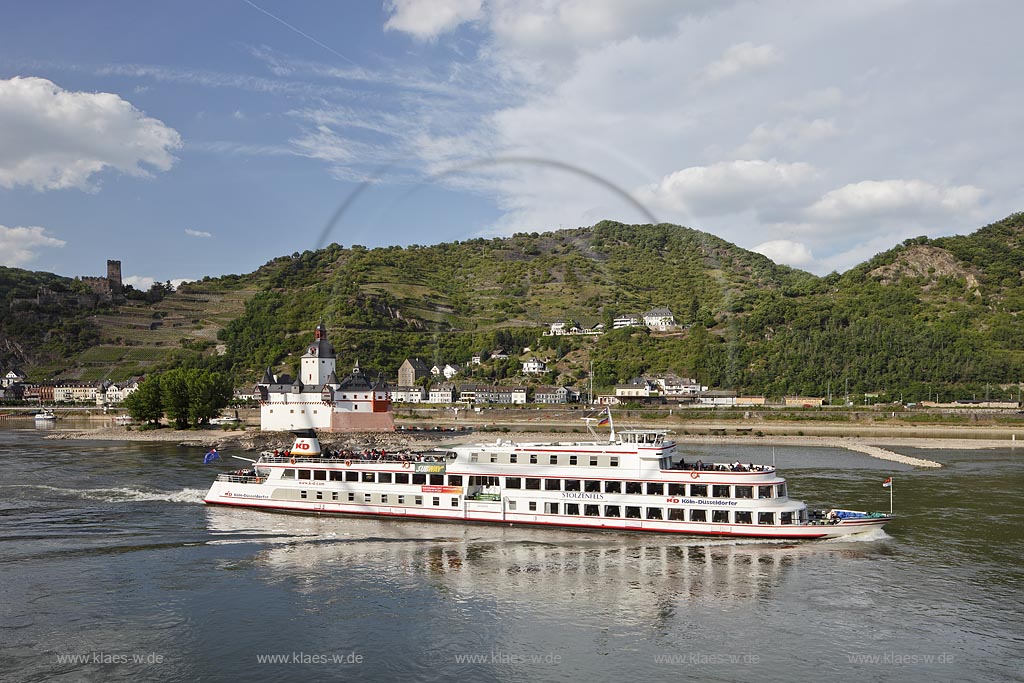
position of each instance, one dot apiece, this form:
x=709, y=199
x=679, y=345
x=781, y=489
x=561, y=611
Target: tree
x=145, y=404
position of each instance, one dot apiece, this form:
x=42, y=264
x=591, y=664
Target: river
x=112, y=568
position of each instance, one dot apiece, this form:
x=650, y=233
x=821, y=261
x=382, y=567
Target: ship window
x=288, y=474
x=551, y=508
x=455, y=502
x=368, y=477
x=744, y=517
x=552, y=484
x=319, y=495
x=337, y=476
x=418, y=500
x=401, y=477
x=613, y=461
x=720, y=491
x=351, y=476
x=455, y=480
x=552, y=459
x=437, y=501
x=720, y=516
x=766, y=518
x=764, y=491
x=634, y=487
x=572, y=508
x=533, y=458
x=304, y=474
x=320, y=475
x=786, y=518
x=654, y=513
x=494, y=457
x=592, y=485
x=677, y=514
x=334, y=495
x=612, y=511
x=574, y=460
x=698, y=515
x=473, y=457
x=632, y=512
x=511, y=505
x=592, y=510
x=513, y=483
x=513, y=458
x=351, y=497
x=383, y=477
x=533, y=484
x=383, y=497
x=533, y=506
x=401, y=500
x=419, y=478
x=572, y=484
x=437, y=480
x=744, y=491
x=699, y=490
x=302, y=494
x=655, y=489
x=677, y=489
x=367, y=497
x=782, y=491
x=593, y=461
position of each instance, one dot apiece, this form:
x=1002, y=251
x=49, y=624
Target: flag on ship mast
x=887, y=483
x=607, y=417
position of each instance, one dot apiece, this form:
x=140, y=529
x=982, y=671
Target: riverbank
x=878, y=446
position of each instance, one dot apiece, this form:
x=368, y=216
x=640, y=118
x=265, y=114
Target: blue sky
x=190, y=139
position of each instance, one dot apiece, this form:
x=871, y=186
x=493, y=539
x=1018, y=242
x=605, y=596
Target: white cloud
x=143, y=282
x=788, y=135
x=796, y=254
x=894, y=198
x=51, y=138
x=198, y=233
x=726, y=187
x=739, y=59
x=427, y=19
x=18, y=245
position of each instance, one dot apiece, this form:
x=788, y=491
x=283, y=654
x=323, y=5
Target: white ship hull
x=256, y=496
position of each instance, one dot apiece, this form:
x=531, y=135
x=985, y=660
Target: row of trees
x=186, y=396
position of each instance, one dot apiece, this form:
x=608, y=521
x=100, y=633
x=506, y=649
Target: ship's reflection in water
x=531, y=565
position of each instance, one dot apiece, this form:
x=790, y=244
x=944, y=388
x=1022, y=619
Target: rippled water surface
x=111, y=568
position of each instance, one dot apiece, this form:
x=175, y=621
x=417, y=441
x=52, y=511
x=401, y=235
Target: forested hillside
x=928, y=316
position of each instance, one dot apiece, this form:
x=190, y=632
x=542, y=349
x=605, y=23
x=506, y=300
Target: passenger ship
x=636, y=481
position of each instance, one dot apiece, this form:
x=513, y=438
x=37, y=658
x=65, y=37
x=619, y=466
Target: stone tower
x=114, y=278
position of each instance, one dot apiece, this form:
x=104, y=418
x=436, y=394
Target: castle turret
x=318, y=363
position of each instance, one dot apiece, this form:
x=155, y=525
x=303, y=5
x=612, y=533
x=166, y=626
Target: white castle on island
x=317, y=399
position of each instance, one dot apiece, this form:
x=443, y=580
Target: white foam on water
x=124, y=494
x=863, y=537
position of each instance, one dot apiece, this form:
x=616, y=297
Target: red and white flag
x=887, y=483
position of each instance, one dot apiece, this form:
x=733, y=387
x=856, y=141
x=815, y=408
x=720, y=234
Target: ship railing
x=300, y=459
x=722, y=467
x=239, y=479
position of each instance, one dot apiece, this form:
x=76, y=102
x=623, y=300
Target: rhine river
x=111, y=568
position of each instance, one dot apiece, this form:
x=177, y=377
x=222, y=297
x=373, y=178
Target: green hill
x=927, y=316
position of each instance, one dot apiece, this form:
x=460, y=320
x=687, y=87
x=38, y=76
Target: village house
x=443, y=393
x=551, y=395
x=412, y=370
x=717, y=397
x=74, y=392
x=415, y=394
x=659, y=319
x=637, y=387
x=534, y=366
